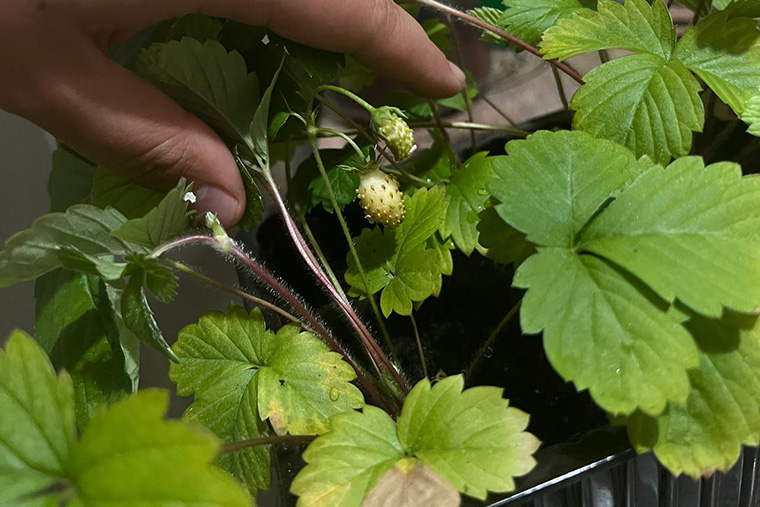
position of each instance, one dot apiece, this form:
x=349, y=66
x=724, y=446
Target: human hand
x=54, y=72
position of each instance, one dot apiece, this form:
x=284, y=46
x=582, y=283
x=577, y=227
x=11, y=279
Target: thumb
x=122, y=122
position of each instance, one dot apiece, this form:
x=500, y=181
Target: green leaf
x=397, y=261
x=161, y=224
x=75, y=325
x=605, y=332
x=501, y=242
x=344, y=184
x=38, y=429
x=241, y=374
x=529, y=19
x=102, y=266
x=70, y=180
x=129, y=455
x=259, y=125
x=345, y=463
x=438, y=33
x=466, y=197
x=603, y=329
x=550, y=184
x=725, y=53
x=206, y=80
x=132, y=200
x=673, y=229
x=159, y=280
x=643, y=102
x=751, y=115
x=436, y=427
x=138, y=317
x=722, y=412
x=633, y=26
x=32, y=253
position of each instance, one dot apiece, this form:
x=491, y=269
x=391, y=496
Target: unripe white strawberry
x=389, y=125
x=381, y=198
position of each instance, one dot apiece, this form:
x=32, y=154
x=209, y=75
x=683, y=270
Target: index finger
x=378, y=33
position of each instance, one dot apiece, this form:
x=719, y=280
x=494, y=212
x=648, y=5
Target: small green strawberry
x=380, y=197
x=389, y=125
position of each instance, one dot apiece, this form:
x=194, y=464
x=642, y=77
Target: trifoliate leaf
x=633, y=26
x=132, y=200
x=34, y=252
x=751, y=115
x=466, y=196
x=208, y=81
x=604, y=331
x=161, y=224
x=76, y=327
x=345, y=463
x=501, y=242
x=435, y=427
x=725, y=53
x=70, y=180
x=603, y=328
x=159, y=280
x=397, y=261
x=551, y=184
x=129, y=455
x=38, y=429
x=722, y=413
x=411, y=483
x=529, y=19
x=647, y=101
x=138, y=316
x=241, y=373
x=344, y=184
x=643, y=102
x=674, y=227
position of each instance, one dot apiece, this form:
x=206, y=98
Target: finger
x=122, y=122
x=378, y=33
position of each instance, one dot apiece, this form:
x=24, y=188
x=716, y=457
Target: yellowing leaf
x=411, y=483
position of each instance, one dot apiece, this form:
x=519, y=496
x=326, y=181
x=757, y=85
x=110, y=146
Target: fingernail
x=223, y=205
x=458, y=74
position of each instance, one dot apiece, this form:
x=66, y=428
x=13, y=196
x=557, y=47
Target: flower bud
x=381, y=198
x=389, y=125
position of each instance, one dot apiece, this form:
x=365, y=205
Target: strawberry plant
x=637, y=262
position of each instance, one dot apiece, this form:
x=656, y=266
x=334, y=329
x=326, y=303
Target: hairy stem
x=472, y=20
x=239, y=255
x=236, y=292
x=271, y=440
x=475, y=363
x=349, y=240
x=376, y=354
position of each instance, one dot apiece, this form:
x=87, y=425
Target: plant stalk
x=423, y=363
x=472, y=20
x=271, y=440
x=376, y=354
x=475, y=364
x=349, y=239
x=236, y=292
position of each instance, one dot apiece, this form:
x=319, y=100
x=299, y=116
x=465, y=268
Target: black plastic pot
x=583, y=462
